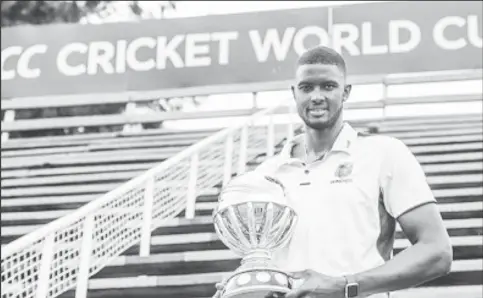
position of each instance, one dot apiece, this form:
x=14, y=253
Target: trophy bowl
x=254, y=218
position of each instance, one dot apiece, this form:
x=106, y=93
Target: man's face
x=319, y=93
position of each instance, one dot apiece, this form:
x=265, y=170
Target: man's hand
x=317, y=285
x=219, y=288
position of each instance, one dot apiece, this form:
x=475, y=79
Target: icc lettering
x=140, y=54
x=23, y=67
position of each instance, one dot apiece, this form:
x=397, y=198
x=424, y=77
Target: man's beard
x=326, y=124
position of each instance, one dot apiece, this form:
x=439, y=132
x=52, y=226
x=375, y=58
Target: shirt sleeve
x=403, y=181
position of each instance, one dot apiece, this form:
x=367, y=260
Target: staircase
x=187, y=259
x=46, y=178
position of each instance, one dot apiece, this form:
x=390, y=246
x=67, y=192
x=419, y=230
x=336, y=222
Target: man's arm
x=429, y=257
x=408, y=198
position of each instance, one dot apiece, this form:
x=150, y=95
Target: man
x=349, y=190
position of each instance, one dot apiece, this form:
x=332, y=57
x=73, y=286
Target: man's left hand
x=317, y=285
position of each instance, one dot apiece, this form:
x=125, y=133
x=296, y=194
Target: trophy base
x=258, y=294
x=257, y=283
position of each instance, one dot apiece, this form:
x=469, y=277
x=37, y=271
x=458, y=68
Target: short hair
x=322, y=55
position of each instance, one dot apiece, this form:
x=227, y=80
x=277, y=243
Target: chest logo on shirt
x=342, y=172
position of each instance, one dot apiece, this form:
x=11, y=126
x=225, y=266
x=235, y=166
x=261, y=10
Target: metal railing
x=10, y=123
x=66, y=252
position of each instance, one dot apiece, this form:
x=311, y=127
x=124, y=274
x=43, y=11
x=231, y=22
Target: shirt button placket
x=307, y=174
x=306, y=179
x=306, y=168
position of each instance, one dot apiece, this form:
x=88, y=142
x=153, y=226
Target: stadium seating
x=46, y=178
x=187, y=258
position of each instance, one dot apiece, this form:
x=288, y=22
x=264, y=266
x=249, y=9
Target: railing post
x=191, y=196
x=45, y=264
x=290, y=126
x=384, y=96
x=145, y=245
x=228, y=159
x=254, y=100
x=270, y=137
x=85, y=258
x=330, y=25
x=130, y=110
x=8, y=117
x=242, y=159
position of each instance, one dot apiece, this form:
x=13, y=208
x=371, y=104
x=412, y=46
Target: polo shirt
x=347, y=202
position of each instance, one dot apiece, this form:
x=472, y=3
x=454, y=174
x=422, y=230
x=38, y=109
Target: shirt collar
x=344, y=140
x=342, y=143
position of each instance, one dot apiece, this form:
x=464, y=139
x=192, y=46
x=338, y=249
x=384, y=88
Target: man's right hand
x=219, y=289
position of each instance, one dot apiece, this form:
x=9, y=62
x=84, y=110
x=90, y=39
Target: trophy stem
x=256, y=258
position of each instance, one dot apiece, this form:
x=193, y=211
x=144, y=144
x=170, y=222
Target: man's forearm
x=413, y=266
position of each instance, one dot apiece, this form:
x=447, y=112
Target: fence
x=11, y=107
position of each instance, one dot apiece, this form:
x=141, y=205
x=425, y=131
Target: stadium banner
x=238, y=49
x=409, y=36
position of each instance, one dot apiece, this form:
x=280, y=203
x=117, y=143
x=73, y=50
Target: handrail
x=434, y=99
x=9, y=106
x=63, y=221
x=38, y=102
x=158, y=194
x=434, y=77
x=145, y=96
x=101, y=120
x=117, y=119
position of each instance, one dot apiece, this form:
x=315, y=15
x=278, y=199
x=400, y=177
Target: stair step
x=211, y=259
x=440, y=292
x=468, y=272
x=441, y=185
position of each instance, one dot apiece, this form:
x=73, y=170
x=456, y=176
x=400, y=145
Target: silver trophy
x=253, y=218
